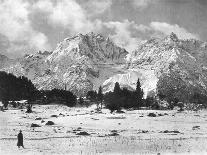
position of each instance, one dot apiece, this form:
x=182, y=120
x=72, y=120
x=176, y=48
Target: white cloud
x=94, y=7
x=16, y=23
x=45, y=5
x=69, y=14
x=123, y=34
x=16, y=26
x=166, y=29
x=142, y=3
x=129, y=35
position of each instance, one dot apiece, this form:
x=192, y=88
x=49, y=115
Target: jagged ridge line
x=106, y=63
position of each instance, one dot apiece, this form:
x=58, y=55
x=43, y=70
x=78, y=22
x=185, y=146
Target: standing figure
x=20, y=139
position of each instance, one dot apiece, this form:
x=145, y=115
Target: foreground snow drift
x=83, y=131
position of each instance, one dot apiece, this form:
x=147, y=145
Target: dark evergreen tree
x=138, y=95
x=100, y=96
x=117, y=89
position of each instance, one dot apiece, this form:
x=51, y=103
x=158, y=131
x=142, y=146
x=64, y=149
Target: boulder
x=35, y=125
x=54, y=116
x=50, y=123
x=38, y=118
x=196, y=127
x=83, y=133
x=114, y=134
x=152, y=115
x=166, y=131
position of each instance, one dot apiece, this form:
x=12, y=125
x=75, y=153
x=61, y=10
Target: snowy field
x=132, y=132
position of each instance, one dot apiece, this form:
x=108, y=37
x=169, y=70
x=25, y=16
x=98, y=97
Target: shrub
x=29, y=108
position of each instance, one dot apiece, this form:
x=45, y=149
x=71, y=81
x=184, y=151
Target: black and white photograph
x=103, y=77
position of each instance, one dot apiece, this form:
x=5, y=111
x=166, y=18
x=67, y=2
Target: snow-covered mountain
x=166, y=63
x=31, y=66
x=84, y=62
x=79, y=64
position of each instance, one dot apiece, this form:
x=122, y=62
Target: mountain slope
x=31, y=66
x=79, y=64
x=158, y=60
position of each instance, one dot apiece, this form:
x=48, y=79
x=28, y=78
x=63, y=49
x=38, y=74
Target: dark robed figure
x=20, y=139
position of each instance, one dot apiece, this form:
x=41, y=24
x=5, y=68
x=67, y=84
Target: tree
x=117, y=88
x=138, y=95
x=100, y=96
x=114, y=100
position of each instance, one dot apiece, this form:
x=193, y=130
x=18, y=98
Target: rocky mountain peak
x=171, y=38
x=82, y=62
x=44, y=52
x=91, y=45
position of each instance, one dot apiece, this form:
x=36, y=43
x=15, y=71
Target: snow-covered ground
x=132, y=132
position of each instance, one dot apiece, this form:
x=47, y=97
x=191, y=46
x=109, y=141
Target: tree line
x=14, y=88
x=118, y=98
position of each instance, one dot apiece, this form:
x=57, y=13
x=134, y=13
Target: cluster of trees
x=119, y=98
x=14, y=88
x=58, y=96
x=93, y=96
x=124, y=98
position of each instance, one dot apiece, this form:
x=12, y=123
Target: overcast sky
x=27, y=26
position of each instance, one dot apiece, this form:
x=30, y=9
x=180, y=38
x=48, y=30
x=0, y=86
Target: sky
x=27, y=26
